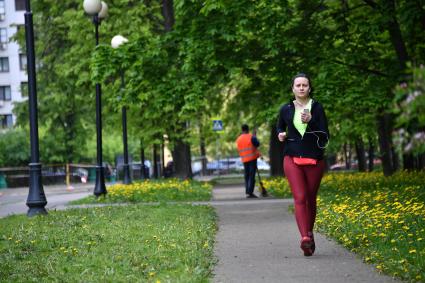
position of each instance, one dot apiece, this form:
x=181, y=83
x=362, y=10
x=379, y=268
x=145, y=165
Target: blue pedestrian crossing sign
x=217, y=125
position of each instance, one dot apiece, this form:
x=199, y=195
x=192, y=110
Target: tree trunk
x=395, y=33
x=402, y=55
x=408, y=161
x=203, y=155
x=421, y=162
x=69, y=128
x=168, y=14
x=163, y=158
x=182, y=160
x=275, y=154
x=396, y=161
x=371, y=156
x=347, y=156
x=155, y=161
x=419, y=8
x=385, y=142
x=330, y=160
x=361, y=156
x=388, y=11
x=142, y=163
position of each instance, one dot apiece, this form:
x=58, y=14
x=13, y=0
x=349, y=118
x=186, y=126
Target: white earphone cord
x=318, y=138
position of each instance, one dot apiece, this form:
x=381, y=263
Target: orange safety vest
x=247, y=151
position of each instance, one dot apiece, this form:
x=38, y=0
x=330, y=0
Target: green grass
x=168, y=190
x=134, y=243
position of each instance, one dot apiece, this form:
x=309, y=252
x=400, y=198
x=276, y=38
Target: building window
x=3, y=38
x=24, y=89
x=6, y=121
x=4, y=64
x=19, y=5
x=5, y=93
x=3, y=35
x=2, y=10
x=23, y=62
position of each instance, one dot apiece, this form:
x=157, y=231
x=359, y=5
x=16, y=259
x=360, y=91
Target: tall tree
x=181, y=148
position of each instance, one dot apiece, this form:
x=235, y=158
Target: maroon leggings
x=304, y=181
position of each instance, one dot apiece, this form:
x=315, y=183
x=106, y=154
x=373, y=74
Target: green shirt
x=299, y=125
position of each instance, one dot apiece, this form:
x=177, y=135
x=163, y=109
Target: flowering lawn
x=278, y=187
x=137, y=243
x=154, y=191
x=381, y=218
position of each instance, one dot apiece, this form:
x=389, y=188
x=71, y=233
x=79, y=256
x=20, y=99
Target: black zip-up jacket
x=307, y=145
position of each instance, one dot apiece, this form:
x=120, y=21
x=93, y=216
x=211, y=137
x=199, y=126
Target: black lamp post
x=116, y=42
x=36, y=200
x=99, y=10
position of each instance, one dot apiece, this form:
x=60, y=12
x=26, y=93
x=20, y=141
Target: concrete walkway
x=258, y=241
x=13, y=201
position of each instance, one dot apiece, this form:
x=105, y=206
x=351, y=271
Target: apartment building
x=13, y=77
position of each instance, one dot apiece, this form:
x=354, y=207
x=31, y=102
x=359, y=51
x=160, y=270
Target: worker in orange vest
x=247, y=147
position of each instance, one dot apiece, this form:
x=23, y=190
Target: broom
x=263, y=190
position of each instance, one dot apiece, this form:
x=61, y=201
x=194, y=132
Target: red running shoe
x=306, y=246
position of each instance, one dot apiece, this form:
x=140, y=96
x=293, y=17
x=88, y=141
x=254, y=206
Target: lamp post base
x=33, y=211
x=100, y=188
x=36, y=200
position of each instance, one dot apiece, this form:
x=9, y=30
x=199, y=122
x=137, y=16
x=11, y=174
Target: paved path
x=13, y=201
x=258, y=241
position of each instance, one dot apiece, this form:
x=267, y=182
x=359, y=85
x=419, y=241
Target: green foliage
x=354, y=79
x=65, y=42
x=14, y=148
x=253, y=51
x=240, y=48
x=110, y=244
x=232, y=59
x=112, y=146
x=62, y=81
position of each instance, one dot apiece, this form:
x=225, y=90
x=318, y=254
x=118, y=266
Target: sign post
x=217, y=126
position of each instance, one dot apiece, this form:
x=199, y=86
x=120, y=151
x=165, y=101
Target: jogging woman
x=303, y=128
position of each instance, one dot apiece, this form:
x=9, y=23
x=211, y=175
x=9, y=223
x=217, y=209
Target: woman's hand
x=305, y=117
x=281, y=136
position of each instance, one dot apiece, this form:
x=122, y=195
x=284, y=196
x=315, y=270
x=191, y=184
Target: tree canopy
x=234, y=59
